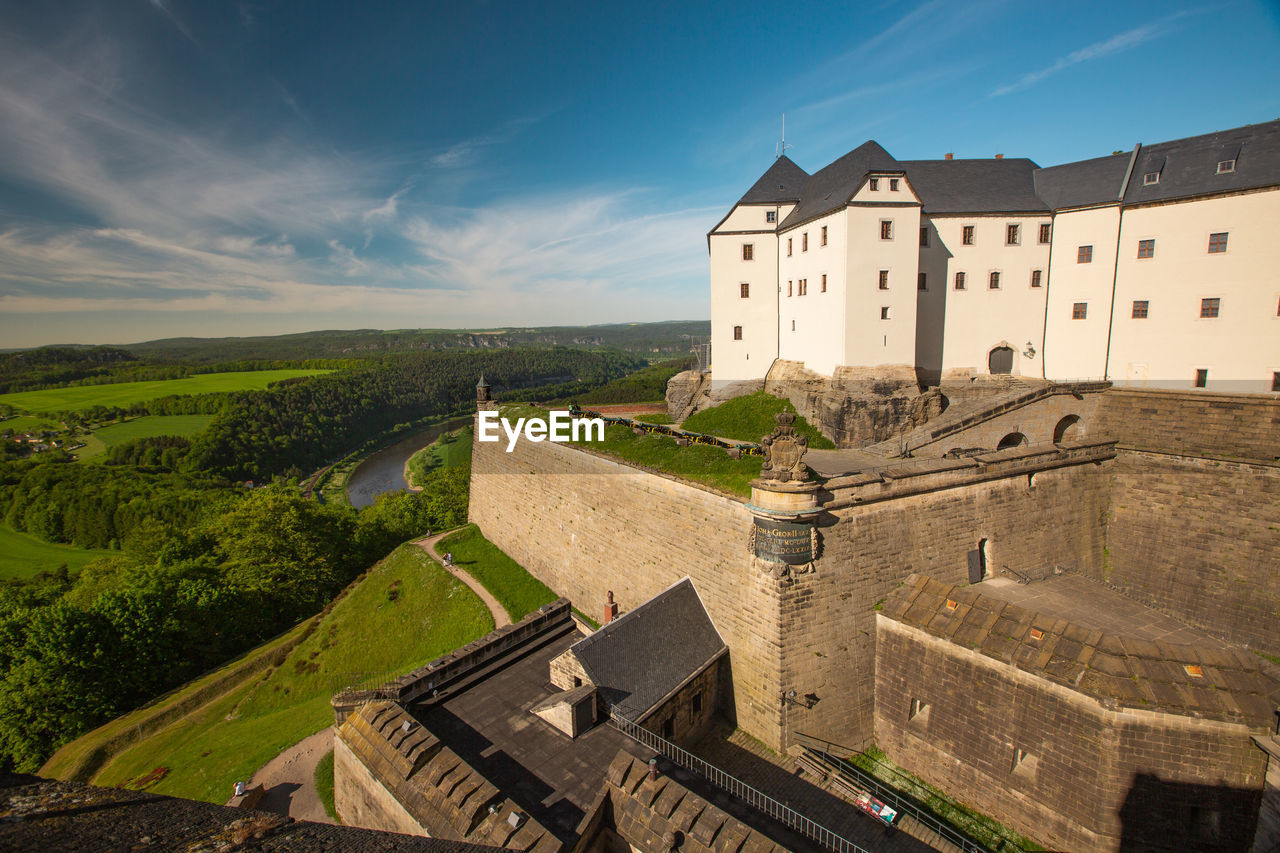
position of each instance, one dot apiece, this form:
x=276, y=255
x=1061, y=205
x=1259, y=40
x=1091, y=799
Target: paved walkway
x=500, y=617
x=290, y=779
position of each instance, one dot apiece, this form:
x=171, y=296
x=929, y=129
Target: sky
x=175, y=168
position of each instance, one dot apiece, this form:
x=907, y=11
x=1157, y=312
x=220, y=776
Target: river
x=384, y=470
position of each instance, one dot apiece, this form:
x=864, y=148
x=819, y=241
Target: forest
x=203, y=565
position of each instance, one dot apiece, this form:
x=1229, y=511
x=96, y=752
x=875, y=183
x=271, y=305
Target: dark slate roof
x=1088, y=182
x=1189, y=167
x=1119, y=671
x=974, y=186
x=831, y=187
x=781, y=182
x=51, y=816
x=643, y=655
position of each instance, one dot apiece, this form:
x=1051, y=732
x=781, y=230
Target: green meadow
x=124, y=394
x=148, y=426
x=22, y=556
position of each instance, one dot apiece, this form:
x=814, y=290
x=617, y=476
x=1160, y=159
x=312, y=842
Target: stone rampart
x=586, y=525
x=1238, y=426
x=1198, y=538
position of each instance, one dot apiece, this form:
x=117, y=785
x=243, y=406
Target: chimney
x=950, y=156
x=999, y=156
x=610, y=609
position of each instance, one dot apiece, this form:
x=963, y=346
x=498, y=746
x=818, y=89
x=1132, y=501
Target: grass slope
x=127, y=393
x=647, y=385
x=324, y=784
x=28, y=423
x=23, y=556
x=148, y=426
x=750, y=418
x=405, y=612
x=519, y=592
x=451, y=450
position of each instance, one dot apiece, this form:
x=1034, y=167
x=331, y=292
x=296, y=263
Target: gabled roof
x=780, y=182
x=830, y=188
x=974, y=186
x=1088, y=182
x=1189, y=167
x=645, y=654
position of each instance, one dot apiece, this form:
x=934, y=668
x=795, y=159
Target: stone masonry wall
x=1032, y=523
x=1198, y=538
x=1037, y=421
x=1090, y=779
x=1244, y=426
x=361, y=800
x=585, y=525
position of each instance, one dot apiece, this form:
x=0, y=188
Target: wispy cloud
x=1098, y=50
x=164, y=9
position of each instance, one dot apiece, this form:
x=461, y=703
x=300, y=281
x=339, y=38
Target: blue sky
x=173, y=167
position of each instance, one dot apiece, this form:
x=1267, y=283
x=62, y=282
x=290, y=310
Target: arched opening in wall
x=1068, y=429
x=979, y=561
x=1013, y=439
x=1000, y=360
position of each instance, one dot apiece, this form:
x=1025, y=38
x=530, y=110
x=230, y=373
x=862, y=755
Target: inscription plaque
x=783, y=541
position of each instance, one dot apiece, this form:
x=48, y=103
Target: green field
x=125, y=394
x=451, y=450
x=407, y=597
x=22, y=556
x=28, y=423
x=519, y=592
x=148, y=426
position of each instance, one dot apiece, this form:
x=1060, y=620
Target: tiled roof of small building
x=1228, y=684
x=1189, y=167
x=780, y=182
x=1088, y=182
x=831, y=187
x=640, y=657
x=975, y=186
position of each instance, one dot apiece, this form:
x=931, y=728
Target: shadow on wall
x=1174, y=817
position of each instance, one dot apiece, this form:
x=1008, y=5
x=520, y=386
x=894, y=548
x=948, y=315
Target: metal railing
x=901, y=802
x=759, y=801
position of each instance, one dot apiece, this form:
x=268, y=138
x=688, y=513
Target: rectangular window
x=803, y=286
x=924, y=236
x=1084, y=255
x=1202, y=378
x=1225, y=166
x=1079, y=310
x=886, y=229
x=793, y=325
x=737, y=333
x=1217, y=243
x=994, y=283
x=788, y=287
x=771, y=216
x=1012, y=235
x=1146, y=248
x=788, y=247
x=669, y=728
x=959, y=281
x=824, y=235
x=1150, y=178
x=1044, y=232
x=874, y=184
x=824, y=282
x=884, y=313
x=744, y=290
x=1209, y=307
x=1275, y=381
x=923, y=283
x=748, y=251
x=1140, y=309
x=893, y=185
x=695, y=704
x=966, y=235
x=1035, y=277
x=804, y=242
x=884, y=279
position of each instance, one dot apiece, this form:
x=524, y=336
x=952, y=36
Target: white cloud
x=1116, y=44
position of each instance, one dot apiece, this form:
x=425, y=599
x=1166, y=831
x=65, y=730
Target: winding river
x=384, y=470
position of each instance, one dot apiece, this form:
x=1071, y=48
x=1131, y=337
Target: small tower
x=482, y=391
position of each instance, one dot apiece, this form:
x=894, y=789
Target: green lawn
x=28, y=423
x=406, y=612
x=148, y=426
x=324, y=784
x=124, y=394
x=22, y=556
x=750, y=418
x=451, y=450
x=519, y=592
x=654, y=418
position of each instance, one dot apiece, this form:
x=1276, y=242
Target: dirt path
x=290, y=779
x=500, y=617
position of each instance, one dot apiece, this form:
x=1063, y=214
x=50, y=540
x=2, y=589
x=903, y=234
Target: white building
x=1156, y=267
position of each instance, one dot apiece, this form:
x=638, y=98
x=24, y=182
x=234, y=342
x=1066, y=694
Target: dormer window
x=875, y=184
x=771, y=216
x=1150, y=178
x=1225, y=166
x=893, y=185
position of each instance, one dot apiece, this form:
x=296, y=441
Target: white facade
x=884, y=266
